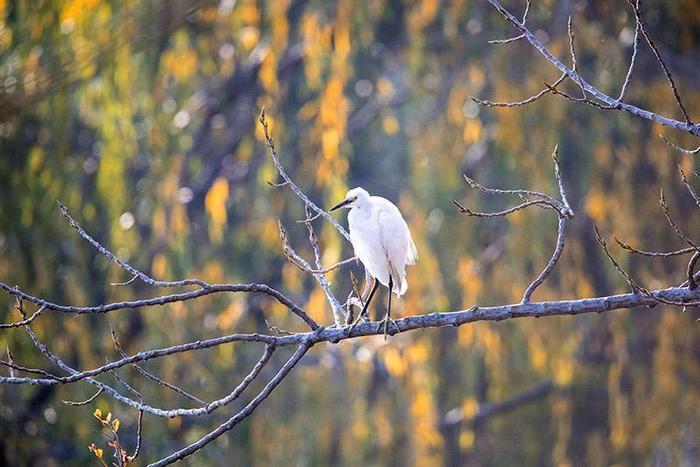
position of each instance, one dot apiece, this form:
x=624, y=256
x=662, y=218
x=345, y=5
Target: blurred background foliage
x=141, y=118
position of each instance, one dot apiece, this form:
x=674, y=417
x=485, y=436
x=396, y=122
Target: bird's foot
x=360, y=318
x=384, y=323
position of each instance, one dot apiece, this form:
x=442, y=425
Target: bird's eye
x=355, y=198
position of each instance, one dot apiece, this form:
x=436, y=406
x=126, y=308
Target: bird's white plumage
x=381, y=238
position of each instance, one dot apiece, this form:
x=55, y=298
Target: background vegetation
x=141, y=118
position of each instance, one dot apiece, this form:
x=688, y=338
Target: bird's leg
x=387, y=318
x=366, y=305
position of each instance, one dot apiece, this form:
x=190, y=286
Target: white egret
x=382, y=241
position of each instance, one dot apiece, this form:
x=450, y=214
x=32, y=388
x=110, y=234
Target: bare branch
x=456, y=417
x=636, y=288
x=561, y=232
x=689, y=187
x=513, y=39
x=15, y=367
x=600, y=96
x=303, y=265
x=562, y=208
x=679, y=148
x=153, y=377
x=691, y=270
x=505, y=212
x=676, y=228
x=662, y=254
x=529, y=100
x=26, y=321
x=657, y=54
x=86, y=401
x=134, y=272
x=139, y=435
x=333, y=267
x=524, y=194
x=297, y=191
x=245, y=412
x=165, y=299
x=572, y=51
x=633, y=60
x=560, y=182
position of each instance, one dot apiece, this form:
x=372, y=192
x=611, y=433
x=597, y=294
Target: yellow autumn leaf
x=470, y=407
x=215, y=205
x=466, y=439
x=98, y=414
x=394, y=362
x=115, y=425
x=99, y=452
x=390, y=125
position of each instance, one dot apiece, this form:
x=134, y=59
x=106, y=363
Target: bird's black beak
x=341, y=204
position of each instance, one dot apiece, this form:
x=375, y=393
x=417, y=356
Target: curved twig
x=561, y=232
x=661, y=254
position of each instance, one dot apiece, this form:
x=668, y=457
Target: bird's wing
x=366, y=241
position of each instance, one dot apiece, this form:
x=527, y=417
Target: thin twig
x=24, y=322
x=153, y=377
x=636, y=288
x=692, y=152
x=657, y=54
x=516, y=38
x=689, y=187
x=505, y=212
x=34, y=371
x=303, y=265
x=86, y=401
x=134, y=272
x=690, y=271
x=297, y=191
x=572, y=51
x=633, y=60
x=529, y=100
x=561, y=233
x=139, y=436
x=661, y=254
x=672, y=223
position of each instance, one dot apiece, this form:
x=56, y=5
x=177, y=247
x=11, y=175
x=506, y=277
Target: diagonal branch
x=165, y=299
x=132, y=270
x=456, y=417
x=240, y=416
x=147, y=374
x=640, y=22
x=633, y=60
x=303, y=265
x=290, y=183
x=603, y=98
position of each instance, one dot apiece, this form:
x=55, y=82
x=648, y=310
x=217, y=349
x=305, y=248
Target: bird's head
x=355, y=197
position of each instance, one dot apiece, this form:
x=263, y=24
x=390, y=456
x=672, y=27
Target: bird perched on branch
x=382, y=242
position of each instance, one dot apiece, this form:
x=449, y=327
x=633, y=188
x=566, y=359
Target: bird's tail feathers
x=399, y=280
x=412, y=252
x=404, y=285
